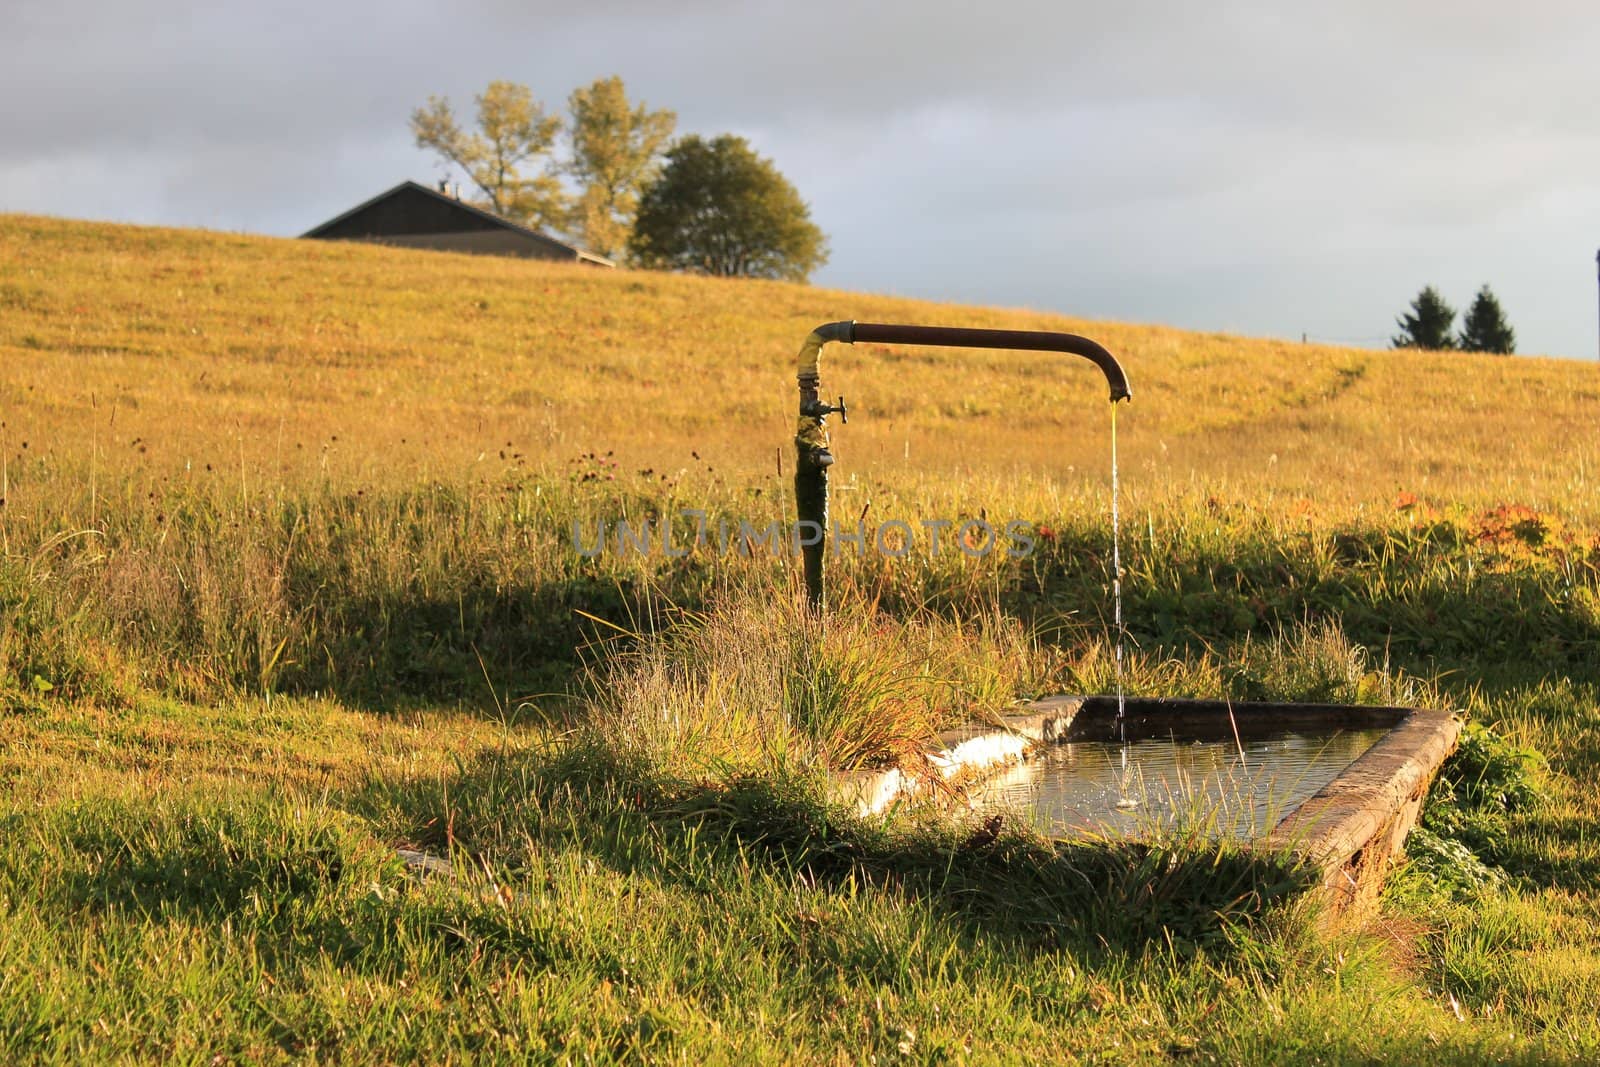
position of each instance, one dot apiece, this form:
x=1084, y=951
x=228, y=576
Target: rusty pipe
x=811, y=437
x=1018, y=340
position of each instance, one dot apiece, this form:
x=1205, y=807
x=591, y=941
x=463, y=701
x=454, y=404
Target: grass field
x=287, y=578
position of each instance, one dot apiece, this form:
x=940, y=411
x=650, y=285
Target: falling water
x=1116, y=572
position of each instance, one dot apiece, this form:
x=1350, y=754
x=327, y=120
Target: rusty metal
x=1018, y=340
x=811, y=436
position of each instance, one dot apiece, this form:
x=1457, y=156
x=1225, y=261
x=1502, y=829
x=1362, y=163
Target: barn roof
x=463, y=216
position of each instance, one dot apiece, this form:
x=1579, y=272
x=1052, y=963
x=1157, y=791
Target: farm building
x=415, y=216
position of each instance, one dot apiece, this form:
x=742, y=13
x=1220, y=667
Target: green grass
x=599, y=914
x=287, y=582
x=593, y=916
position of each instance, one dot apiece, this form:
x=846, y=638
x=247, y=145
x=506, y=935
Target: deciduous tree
x=512, y=134
x=719, y=208
x=616, y=151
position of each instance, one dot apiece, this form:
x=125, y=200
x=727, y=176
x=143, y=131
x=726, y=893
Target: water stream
x=1125, y=802
x=1237, y=787
x=1116, y=568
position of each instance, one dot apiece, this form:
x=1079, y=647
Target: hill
x=291, y=578
x=300, y=358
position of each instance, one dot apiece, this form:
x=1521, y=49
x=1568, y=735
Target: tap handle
x=816, y=409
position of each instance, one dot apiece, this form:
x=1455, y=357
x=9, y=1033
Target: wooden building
x=415, y=216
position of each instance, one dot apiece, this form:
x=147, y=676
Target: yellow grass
x=266, y=501
x=274, y=362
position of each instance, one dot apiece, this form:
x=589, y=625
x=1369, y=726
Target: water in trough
x=1234, y=788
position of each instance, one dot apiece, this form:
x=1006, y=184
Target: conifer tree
x=1485, y=329
x=1427, y=325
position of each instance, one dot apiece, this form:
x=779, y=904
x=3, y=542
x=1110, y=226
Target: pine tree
x=1485, y=328
x=1428, y=323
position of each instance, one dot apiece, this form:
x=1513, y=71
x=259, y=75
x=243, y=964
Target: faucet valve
x=816, y=409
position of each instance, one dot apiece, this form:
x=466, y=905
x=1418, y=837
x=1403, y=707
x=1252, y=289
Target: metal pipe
x=1020, y=340
x=811, y=436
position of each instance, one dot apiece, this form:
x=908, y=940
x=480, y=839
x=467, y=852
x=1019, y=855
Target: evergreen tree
x=1428, y=323
x=1485, y=328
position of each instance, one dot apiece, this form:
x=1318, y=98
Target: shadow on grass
x=200, y=857
x=1434, y=599
x=382, y=650
x=1543, y=848
x=991, y=880
x=525, y=639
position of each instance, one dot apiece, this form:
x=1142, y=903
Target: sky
x=1269, y=169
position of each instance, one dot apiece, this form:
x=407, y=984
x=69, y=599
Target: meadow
x=288, y=581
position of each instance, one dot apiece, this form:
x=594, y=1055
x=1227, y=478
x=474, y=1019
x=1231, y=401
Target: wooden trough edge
x=1353, y=829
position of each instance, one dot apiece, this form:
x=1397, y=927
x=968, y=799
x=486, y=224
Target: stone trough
x=1351, y=829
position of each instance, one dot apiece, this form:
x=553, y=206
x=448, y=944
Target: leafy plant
x=1487, y=773
x=719, y=208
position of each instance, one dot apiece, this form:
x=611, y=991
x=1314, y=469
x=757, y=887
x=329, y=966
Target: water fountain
x=1340, y=785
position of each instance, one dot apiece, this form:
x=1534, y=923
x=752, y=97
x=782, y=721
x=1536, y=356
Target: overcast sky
x=1265, y=168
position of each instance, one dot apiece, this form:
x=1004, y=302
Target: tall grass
x=192, y=591
x=751, y=685
x=256, y=491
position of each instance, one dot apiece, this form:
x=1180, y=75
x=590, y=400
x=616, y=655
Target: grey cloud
x=1262, y=167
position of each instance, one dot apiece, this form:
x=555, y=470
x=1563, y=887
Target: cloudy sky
x=1262, y=168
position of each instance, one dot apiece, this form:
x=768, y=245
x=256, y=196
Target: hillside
x=293, y=358
x=289, y=580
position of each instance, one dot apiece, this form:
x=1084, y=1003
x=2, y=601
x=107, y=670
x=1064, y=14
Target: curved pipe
x=811, y=437
x=1021, y=340
x=850, y=332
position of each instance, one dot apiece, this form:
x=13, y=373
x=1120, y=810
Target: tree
x=719, y=208
x=616, y=150
x=1485, y=329
x=512, y=131
x=1428, y=323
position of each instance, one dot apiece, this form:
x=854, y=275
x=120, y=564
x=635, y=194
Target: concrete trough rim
x=960, y=753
